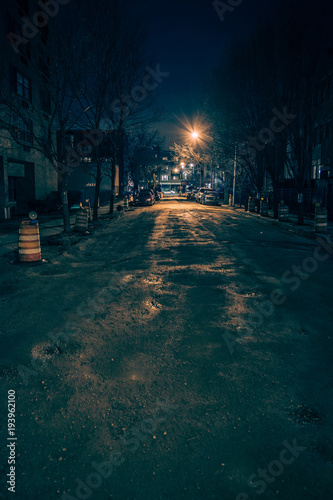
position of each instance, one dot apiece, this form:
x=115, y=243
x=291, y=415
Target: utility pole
x=234, y=181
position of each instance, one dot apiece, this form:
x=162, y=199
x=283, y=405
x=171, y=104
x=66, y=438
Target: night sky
x=187, y=39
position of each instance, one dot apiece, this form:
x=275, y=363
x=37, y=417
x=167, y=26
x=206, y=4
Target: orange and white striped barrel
x=81, y=222
x=263, y=207
x=320, y=219
x=29, y=242
x=283, y=211
x=251, y=205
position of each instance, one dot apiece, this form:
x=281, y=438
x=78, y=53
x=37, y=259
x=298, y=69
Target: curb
x=286, y=226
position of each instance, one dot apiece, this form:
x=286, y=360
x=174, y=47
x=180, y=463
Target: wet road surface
x=183, y=352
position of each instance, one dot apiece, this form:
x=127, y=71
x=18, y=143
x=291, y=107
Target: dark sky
x=187, y=39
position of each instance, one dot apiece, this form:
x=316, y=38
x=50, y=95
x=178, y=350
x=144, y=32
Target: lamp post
x=195, y=136
x=234, y=180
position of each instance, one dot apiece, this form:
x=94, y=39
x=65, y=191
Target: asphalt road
x=179, y=352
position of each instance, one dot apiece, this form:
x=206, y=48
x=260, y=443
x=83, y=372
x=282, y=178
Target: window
x=22, y=130
x=20, y=84
x=23, y=86
x=315, y=174
x=165, y=177
x=84, y=149
x=287, y=173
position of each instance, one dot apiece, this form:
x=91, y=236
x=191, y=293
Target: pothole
x=303, y=415
x=153, y=304
x=152, y=280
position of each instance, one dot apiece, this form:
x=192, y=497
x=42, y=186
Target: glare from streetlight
x=195, y=135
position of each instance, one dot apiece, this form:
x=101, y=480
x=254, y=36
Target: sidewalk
x=306, y=230
x=9, y=229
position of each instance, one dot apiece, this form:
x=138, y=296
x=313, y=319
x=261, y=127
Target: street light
x=234, y=179
x=195, y=135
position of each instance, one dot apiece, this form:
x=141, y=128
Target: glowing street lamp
x=195, y=135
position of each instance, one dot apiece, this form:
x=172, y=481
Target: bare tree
x=272, y=76
x=142, y=155
x=49, y=118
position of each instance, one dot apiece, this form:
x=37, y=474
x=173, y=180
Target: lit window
x=165, y=177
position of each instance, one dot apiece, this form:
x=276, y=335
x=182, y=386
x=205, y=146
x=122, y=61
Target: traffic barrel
x=81, y=222
x=283, y=211
x=86, y=206
x=264, y=207
x=251, y=205
x=320, y=219
x=29, y=242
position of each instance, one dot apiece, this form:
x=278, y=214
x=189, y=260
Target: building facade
x=26, y=176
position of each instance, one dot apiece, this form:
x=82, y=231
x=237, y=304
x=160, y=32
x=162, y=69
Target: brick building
x=25, y=174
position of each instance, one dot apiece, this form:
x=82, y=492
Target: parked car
x=198, y=194
x=210, y=197
x=158, y=195
x=145, y=197
x=169, y=193
x=191, y=194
